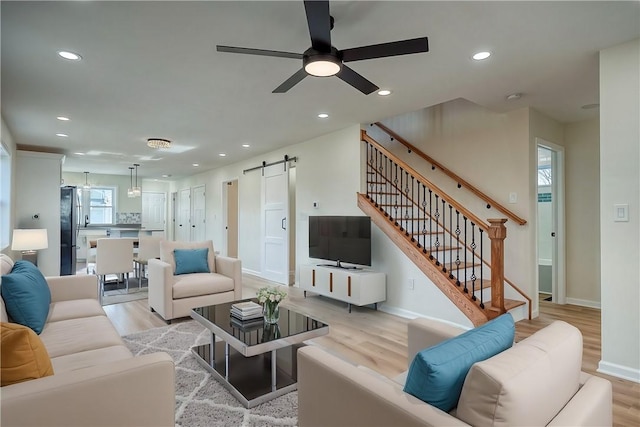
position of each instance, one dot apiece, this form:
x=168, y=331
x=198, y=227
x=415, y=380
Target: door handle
x=284, y=225
x=553, y=234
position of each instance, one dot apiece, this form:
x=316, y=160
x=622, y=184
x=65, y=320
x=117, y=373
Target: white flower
x=277, y=297
x=272, y=297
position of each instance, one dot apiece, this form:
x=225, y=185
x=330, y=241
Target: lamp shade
x=29, y=239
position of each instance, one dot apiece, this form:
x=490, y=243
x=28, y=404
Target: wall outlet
x=411, y=284
x=316, y=205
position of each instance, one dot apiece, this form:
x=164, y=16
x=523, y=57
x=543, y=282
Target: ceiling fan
x=323, y=60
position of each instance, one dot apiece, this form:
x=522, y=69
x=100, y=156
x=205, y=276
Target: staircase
x=460, y=253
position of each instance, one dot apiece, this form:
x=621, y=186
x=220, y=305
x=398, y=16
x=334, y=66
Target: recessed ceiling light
x=514, y=96
x=323, y=115
x=69, y=55
x=62, y=135
x=222, y=155
x=384, y=92
x=481, y=55
x=196, y=164
x=245, y=146
x=79, y=154
x=63, y=118
x=166, y=175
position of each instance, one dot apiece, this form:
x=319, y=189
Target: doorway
x=550, y=222
x=230, y=212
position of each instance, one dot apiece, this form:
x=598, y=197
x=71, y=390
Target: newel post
x=497, y=234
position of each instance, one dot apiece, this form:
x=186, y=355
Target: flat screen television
x=340, y=239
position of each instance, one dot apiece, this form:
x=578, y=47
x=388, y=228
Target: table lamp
x=29, y=241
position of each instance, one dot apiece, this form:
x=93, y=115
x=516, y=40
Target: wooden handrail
x=365, y=137
x=467, y=213
x=452, y=175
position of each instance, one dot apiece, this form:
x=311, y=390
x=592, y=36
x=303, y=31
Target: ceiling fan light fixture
x=322, y=65
x=158, y=143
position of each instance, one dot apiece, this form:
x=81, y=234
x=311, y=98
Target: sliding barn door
x=275, y=224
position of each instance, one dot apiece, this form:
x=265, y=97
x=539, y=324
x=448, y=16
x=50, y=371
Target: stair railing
x=459, y=180
x=449, y=234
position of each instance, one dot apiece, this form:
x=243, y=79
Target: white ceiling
x=150, y=69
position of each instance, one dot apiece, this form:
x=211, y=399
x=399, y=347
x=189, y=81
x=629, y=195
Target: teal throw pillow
x=191, y=260
x=437, y=373
x=26, y=295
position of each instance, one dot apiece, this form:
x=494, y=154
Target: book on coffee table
x=247, y=325
x=246, y=310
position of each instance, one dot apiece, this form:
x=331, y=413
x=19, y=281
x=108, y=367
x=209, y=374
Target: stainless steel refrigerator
x=69, y=216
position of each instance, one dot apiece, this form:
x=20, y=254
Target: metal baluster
x=430, y=223
x=481, y=281
x=407, y=203
x=437, y=216
x=473, y=261
x=418, y=216
x=424, y=222
x=444, y=236
x=386, y=186
x=411, y=203
x=395, y=184
x=451, y=241
x=465, y=254
x=457, y=247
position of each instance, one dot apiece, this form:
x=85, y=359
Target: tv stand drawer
x=357, y=287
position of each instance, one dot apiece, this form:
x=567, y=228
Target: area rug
x=200, y=399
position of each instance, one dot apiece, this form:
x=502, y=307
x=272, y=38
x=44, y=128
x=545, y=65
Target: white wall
x=38, y=192
x=582, y=181
x=620, y=184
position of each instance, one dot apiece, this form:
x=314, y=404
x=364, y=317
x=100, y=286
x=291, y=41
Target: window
x=5, y=196
x=97, y=204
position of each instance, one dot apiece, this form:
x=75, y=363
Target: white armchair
x=173, y=295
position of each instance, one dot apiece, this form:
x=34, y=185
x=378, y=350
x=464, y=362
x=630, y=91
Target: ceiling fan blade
x=356, y=80
x=263, y=52
x=383, y=50
x=319, y=22
x=291, y=81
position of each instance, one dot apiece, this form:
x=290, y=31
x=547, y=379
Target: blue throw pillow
x=437, y=373
x=191, y=260
x=26, y=295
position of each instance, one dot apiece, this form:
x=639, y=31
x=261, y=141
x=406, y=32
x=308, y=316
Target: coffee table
x=255, y=361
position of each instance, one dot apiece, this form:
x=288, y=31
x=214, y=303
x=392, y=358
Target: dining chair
x=148, y=248
x=114, y=256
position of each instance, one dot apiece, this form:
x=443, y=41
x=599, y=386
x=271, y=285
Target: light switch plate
x=621, y=213
x=513, y=197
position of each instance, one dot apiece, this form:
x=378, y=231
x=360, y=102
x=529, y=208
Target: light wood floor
x=379, y=340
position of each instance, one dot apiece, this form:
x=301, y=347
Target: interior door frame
x=225, y=209
x=558, y=267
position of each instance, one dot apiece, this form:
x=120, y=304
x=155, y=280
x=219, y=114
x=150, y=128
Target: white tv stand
x=353, y=286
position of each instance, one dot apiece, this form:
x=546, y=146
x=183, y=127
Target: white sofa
x=173, y=296
x=96, y=380
x=536, y=382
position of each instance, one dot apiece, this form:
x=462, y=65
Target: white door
x=275, y=229
x=183, y=228
x=230, y=211
x=154, y=210
x=198, y=231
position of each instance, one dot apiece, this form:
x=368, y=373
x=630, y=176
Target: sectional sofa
x=536, y=382
x=96, y=380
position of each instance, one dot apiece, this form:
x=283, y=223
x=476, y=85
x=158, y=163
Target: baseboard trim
x=400, y=312
x=251, y=272
x=619, y=371
x=583, y=302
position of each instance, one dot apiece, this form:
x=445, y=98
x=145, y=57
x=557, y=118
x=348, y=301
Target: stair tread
x=509, y=304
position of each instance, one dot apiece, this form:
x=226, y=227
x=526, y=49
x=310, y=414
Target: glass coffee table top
x=255, y=336
x=254, y=360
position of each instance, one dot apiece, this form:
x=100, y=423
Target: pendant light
x=137, y=191
x=86, y=185
x=130, y=192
